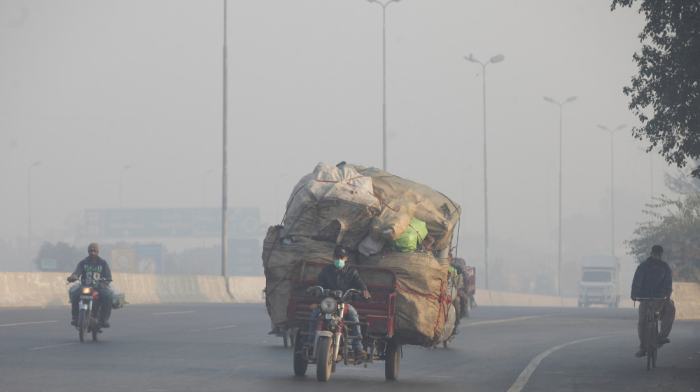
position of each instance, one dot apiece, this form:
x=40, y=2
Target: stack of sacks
x=383, y=220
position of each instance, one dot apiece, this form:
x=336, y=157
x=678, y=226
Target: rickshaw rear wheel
x=391, y=365
x=300, y=363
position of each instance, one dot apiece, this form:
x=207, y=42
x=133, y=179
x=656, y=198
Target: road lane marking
x=213, y=329
x=532, y=366
x=183, y=312
x=52, y=346
x=34, y=322
x=516, y=319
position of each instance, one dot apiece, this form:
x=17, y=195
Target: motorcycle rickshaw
x=331, y=339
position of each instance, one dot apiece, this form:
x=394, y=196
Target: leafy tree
x=669, y=73
x=66, y=256
x=677, y=229
x=683, y=182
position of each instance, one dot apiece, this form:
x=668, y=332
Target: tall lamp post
x=495, y=59
x=29, y=208
x=224, y=163
x=550, y=100
x=612, y=184
x=120, y=183
x=384, y=4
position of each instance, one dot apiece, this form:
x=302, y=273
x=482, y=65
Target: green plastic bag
x=414, y=235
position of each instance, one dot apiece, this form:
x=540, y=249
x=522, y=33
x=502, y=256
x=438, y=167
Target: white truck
x=600, y=281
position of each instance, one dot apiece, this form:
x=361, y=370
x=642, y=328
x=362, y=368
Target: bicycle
x=652, y=331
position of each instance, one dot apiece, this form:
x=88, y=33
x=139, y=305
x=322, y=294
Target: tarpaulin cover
x=393, y=220
x=435, y=209
x=333, y=204
x=422, y=302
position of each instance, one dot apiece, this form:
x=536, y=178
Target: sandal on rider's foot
x=104, y=324
x=664, y=341
x=74, y=323
x=641, y=353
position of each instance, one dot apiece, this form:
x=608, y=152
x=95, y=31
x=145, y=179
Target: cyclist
x=653, y=280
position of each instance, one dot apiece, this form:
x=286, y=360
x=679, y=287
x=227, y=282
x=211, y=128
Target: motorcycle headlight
x=87, y=290
x=327, y=305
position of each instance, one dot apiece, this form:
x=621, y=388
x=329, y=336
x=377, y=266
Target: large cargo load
x=348, y=204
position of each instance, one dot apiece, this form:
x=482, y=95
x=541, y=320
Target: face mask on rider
x=339, y=263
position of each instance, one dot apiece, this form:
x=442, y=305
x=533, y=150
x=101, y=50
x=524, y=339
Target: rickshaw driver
x=341, y=277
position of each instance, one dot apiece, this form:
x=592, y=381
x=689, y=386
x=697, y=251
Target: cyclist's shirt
x=90, y=272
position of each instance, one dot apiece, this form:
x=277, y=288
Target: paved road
x=226, y=348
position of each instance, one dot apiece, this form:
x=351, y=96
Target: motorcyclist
x=90, y=270
x=341, y=277
x=653, y=280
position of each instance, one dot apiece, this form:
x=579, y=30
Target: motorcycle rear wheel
x=324, y=360
x=82, y=324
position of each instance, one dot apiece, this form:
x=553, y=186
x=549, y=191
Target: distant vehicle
x=600, y=281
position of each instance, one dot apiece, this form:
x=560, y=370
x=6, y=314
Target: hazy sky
x=88, y=88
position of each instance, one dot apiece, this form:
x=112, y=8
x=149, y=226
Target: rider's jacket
x=652, y=279
x=331, y=278
x=90, y=272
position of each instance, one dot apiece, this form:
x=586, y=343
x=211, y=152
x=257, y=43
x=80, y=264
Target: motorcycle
x=89, y=312
x=331, y=340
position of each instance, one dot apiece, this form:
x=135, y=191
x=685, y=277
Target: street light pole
x=550, y=100
x=384, y=5
x=120, y=183
x=29, y=209
x=495, y=59
x=224, y=175
x=612, y=183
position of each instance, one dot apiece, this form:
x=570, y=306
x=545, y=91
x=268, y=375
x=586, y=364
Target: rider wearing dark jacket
x=653, y=280
x=344, y=279
x=341, y=277
x=90, y=270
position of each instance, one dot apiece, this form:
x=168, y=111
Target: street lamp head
x=603, y=127
x=37, y=163
x=497, y=58
x=550, y=100
x=470, y=58
x=126, y=167
x=570, y=99
x=619, y=127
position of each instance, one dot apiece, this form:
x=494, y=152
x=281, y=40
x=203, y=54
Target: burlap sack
x=333, y=204
x=279, y=259
x=392, y=222
x=422, y=304
x=435, y=209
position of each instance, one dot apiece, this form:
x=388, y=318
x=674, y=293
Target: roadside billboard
x=170, y=222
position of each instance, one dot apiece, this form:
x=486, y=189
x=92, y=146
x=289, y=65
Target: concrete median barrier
x=32, y=289
x=503, y=298
x=686, y=297
x=40, y=289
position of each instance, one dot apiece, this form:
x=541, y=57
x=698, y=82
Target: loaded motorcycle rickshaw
x=331, y=336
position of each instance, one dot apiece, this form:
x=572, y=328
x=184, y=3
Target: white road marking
x=185, y=311
x=212, y=329
x=532, y=366
x=34, y=322
x=515, y=319
x=52, y=346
